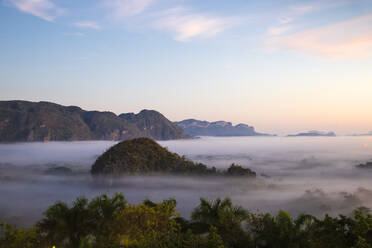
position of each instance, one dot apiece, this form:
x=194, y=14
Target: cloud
x=303, y=9
x=78, y=34
x=43, y=9
x=180, y=21
x=87, y=24
x=187, y=25
x=295, y=11
x=347, y=39
x=285, y=19
x=127, y=8
x=278, y=30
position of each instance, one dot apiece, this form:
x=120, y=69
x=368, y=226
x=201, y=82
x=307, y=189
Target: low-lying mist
x=312, y=175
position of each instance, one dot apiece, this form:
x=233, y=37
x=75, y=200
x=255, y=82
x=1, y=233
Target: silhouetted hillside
x=314, y=134
x=218, y=128
x=45, y=121
x=154, y=124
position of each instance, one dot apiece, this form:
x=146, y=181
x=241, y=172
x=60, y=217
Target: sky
x=283, y=66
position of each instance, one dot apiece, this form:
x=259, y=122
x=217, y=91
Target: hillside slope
x=45, y=121
x=145, y=156
x=154, y=125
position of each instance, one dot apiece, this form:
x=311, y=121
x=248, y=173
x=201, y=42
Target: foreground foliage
x=110, y=222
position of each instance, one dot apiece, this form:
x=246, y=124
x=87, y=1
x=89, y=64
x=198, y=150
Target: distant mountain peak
x=242, y=125
x=314, y=133
x=195, y=127
x=220, y=123
x=362, y=134
x=149, y=111
x=154, y=125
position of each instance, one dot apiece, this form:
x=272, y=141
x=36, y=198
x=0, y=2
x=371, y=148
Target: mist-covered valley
x=315, y=175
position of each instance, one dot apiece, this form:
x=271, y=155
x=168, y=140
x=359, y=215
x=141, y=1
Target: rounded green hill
x=145, y=156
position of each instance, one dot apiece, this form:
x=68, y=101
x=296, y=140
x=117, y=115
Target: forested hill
x=145, y=156
x=45, y=121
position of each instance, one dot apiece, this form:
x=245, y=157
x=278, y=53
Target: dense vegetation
x=143, y=155
x=110, y=222
x=45, y=121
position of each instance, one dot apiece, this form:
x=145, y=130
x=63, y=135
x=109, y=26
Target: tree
x=280, y=231
x=13, y=237
x=103, y=210
x=342, y=231
x=146, y=225
x=225, y=217
x=67, y=226
x=106, y=222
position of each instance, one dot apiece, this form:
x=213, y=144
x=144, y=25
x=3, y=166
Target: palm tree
x=225, y=217
x=65, y=225
x=213, y=212
x=280, y=231
x=302, y=226
x=103, y=210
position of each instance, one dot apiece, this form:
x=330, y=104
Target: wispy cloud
x=44, y=9
x=299, y=10
x=127, y=8
x=282, y=25
x=278, y=30
x=78, y=34
x=182, y=22
x=347, y=39
x=285, y=19
x=186, y=25
x=87, y=24
x=294, y=12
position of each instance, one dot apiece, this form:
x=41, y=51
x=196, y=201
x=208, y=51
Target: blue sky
x=282, y=66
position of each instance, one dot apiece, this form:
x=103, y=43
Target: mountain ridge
x=23, y=121
x=313, y=133
x=143, y=120
x=195, y=127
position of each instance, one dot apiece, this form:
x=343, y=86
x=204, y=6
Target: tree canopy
x=111, y=222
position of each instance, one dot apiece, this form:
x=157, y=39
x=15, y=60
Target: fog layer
x=303, y=174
